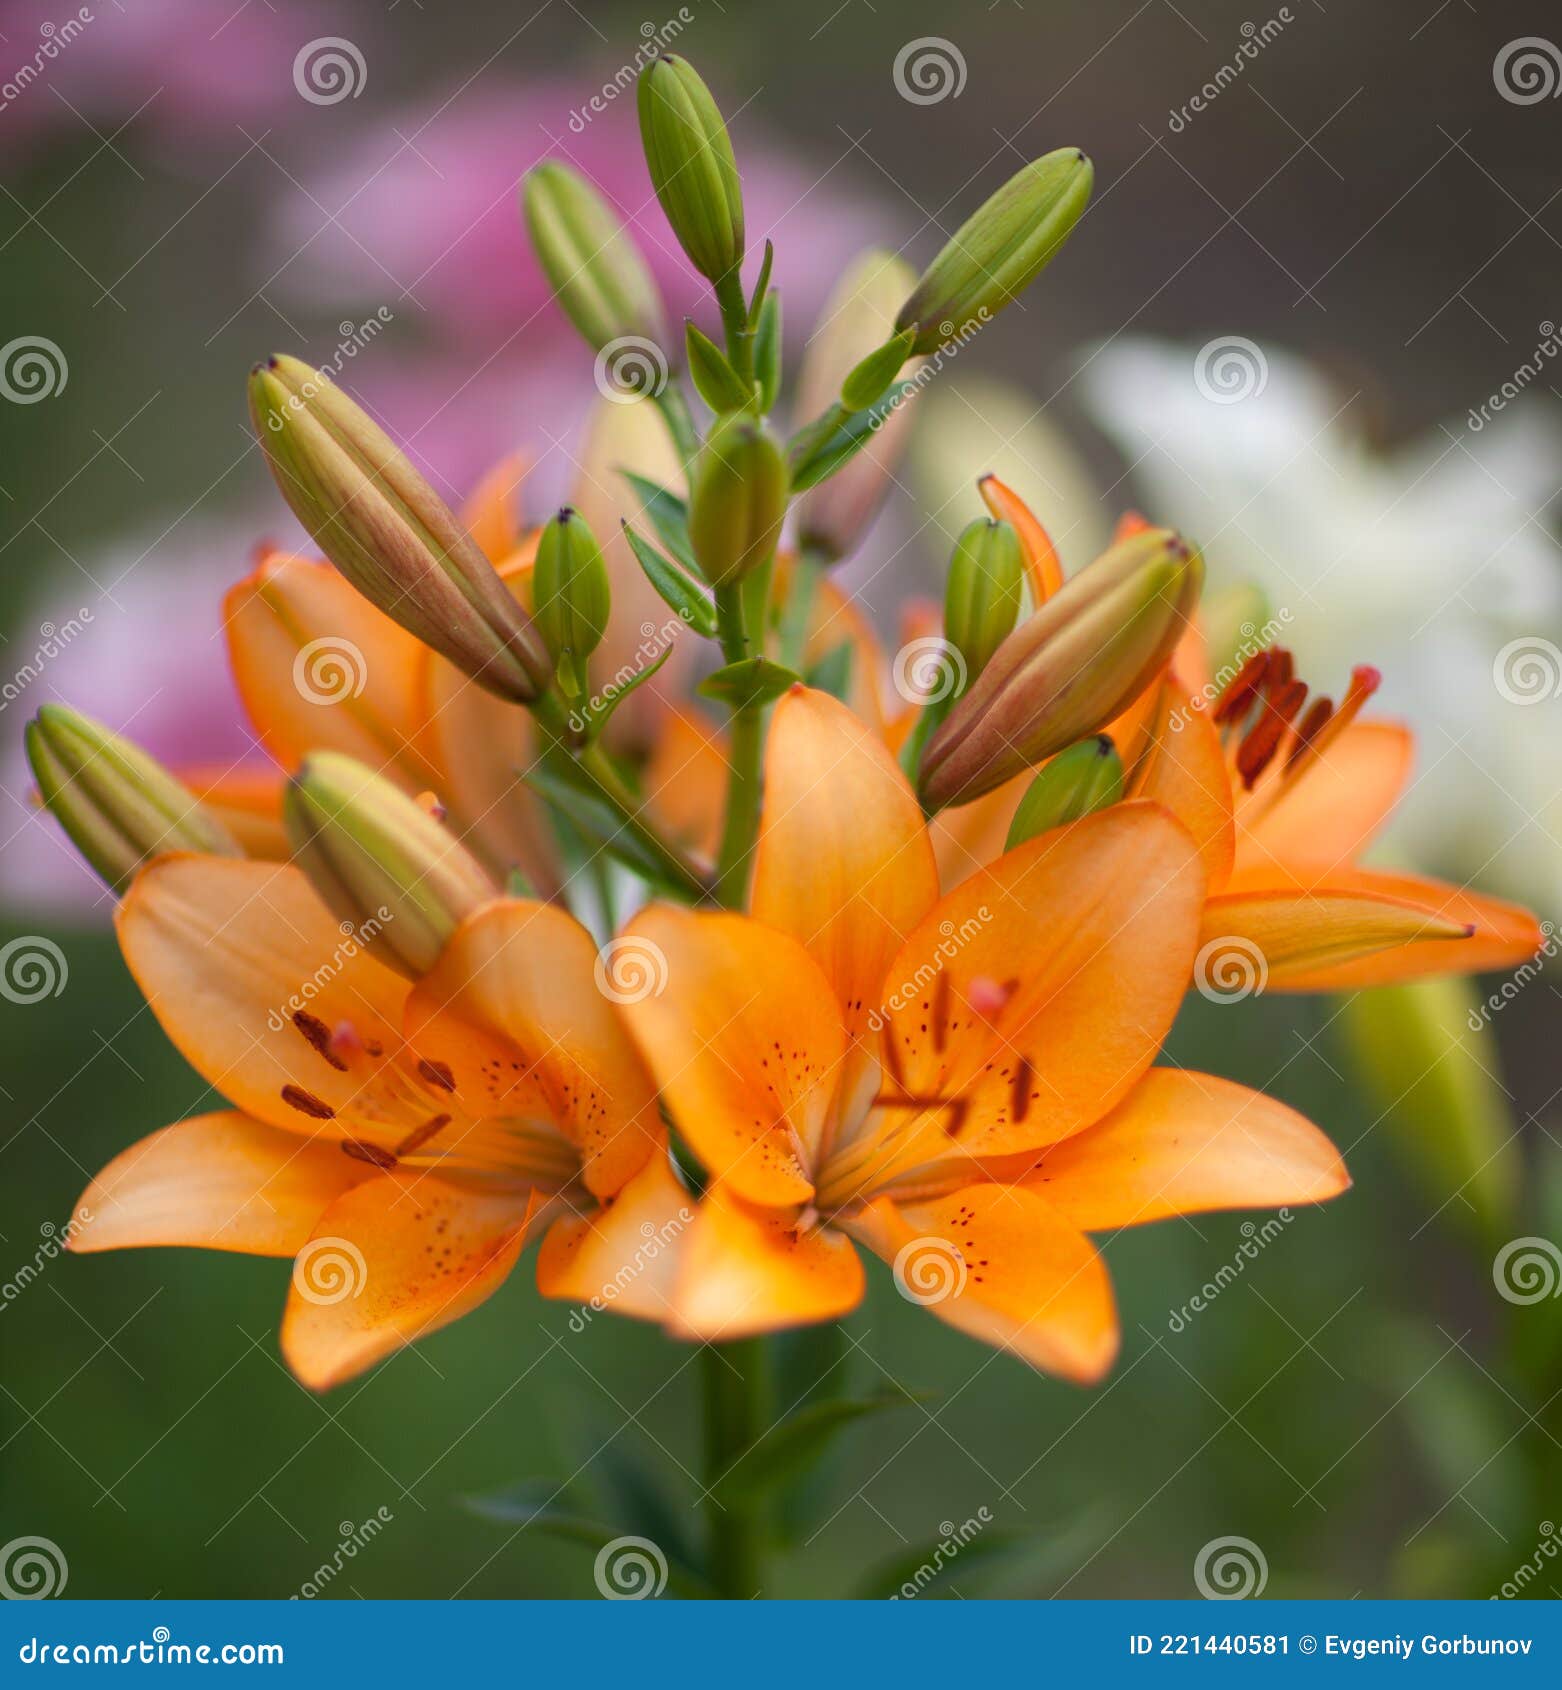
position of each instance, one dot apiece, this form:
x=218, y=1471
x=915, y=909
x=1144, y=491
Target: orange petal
x=1184, y=768
x=835, y=619
x=393, y=1260
x=320, y=669
x=491, y=514
x=1000, y=1264
x=1365, y=927
x=240, y=962
x=844, y=861
x=1037, y=993
x=623, y=1257
x=247, y=800
x=686, y=779
x=1181, y=1143
x=222, y=1181
x=746, y=1269
x=520, y=1013
x=745, y=1043
x=1334, y=807
x=1043, y=568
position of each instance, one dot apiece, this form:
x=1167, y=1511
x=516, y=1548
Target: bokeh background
x=1361, y=230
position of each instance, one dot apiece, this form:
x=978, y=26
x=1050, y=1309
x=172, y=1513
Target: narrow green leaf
x=752, y=680
x=597, y=822
x=762, y=286
x=667, y=513
x=600, y=712
x=833, y=672
x=678, y=591
x=767, y=353
x=793, y=1446
x=865, y=384
x=715, y=380
x=815, y=460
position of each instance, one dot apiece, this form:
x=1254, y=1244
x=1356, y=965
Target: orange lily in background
x=369, y=1139
x=962, y=1084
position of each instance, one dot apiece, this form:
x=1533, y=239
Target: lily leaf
x=767, y=353
x=667, y=514
x=751, y=680
x=819, y=451
x=796, y=1443
x=761, y=287
x=678, y=590
x=715, y=380
x=579, y=804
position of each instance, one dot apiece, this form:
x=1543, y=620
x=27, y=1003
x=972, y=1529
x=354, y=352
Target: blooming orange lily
x=964, y=1084
x=400, y=1155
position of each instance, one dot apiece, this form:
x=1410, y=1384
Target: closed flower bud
x=1084, y=778
x=982, y=599
x=592, y=264
x=389, y=532
x=692, y=168
x=380, y=860
x=1067, y=670
x=858, y=317
x=999, y=250
x=570, y=595
x=738, y=500
x=119, y=806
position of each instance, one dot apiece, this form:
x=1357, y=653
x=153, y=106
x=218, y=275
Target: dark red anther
x=1243, y=688
x=1263, y=739
x=1320, y=710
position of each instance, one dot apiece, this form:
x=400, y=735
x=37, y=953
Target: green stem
x=673, y=403
x=745, y=753
x=734, y=322
x=735, y=1391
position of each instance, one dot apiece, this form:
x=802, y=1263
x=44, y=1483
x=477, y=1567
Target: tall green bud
x=689, y=154
x=571, y=597
x=738, y=499
x=982, y=598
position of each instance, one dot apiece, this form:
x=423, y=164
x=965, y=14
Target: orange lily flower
x=961, y=1084
x=400, y=1156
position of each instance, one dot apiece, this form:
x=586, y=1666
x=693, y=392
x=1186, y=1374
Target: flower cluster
x=895, y=963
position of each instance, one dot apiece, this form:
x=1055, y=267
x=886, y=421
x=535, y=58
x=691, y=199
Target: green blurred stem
x=735, y=1391
x=745, y=755
x=673, y=403
x=595, y=764
x=734, y=322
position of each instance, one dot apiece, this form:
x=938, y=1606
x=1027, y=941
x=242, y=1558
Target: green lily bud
x=857, y=320
x=119, y=806
x=692, y=168
x=571, y=597
x=1070, y=668
x=1084, y=778
x=738, y=500
x=982, y=599
x=999, y=250
x=592, y=264
x=380, y=860
x=389, y=532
